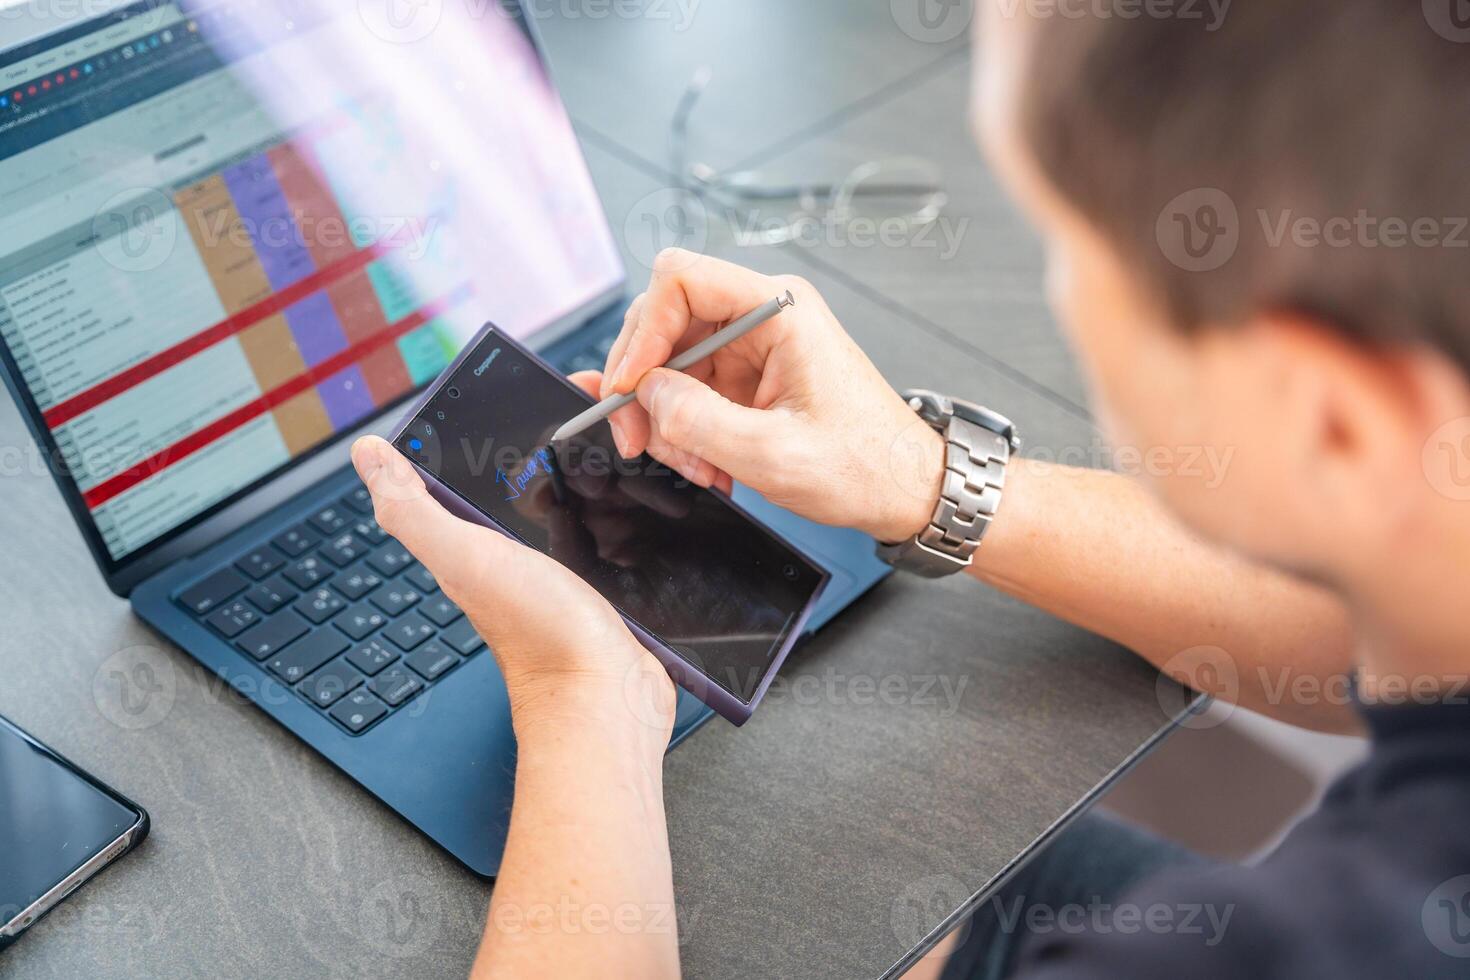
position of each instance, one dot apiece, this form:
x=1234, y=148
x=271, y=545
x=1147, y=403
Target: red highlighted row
x=221, y=427
x=84, y=401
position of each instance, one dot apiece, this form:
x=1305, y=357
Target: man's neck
x=1414, y=611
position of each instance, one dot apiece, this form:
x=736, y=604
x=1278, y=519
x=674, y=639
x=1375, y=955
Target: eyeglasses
x=906, y=193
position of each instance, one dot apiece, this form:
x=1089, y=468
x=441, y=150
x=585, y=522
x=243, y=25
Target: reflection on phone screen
x=681, y=561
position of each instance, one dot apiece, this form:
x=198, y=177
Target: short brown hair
x=1293, y=109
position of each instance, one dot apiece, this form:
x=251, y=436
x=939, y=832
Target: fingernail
x=619, y=438
x=399, y=468
x=619, y=371
x=649, y=389
x=367, y=456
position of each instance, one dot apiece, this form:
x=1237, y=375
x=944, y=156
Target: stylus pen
x=715, y=341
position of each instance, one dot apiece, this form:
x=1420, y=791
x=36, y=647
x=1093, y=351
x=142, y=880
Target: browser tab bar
x=122, y=32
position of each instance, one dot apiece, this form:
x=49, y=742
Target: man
x=1331, y=372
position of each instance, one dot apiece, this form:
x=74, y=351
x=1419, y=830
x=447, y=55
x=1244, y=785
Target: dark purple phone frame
x=688, y=676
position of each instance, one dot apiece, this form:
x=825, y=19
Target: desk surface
x=917, y=749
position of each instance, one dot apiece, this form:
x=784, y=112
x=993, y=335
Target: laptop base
x=437, y=748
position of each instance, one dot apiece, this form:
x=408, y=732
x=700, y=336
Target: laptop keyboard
x=341, y=612
x=591, y=355
x=338, y=611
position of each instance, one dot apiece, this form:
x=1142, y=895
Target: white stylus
x=715, y=341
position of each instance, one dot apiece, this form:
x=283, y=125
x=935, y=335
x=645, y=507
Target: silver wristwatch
x=978, y=448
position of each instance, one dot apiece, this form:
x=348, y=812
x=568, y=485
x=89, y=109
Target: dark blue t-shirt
x=1374, y=885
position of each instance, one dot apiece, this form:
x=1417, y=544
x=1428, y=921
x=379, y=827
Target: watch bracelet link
x=976, y=458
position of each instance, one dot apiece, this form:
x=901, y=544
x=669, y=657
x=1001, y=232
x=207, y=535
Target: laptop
x=233, y=237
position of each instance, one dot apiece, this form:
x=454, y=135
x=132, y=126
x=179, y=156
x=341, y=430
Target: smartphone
x=716, y=596
x=58, y=828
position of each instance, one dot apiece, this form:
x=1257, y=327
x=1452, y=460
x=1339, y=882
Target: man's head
x=1257, y=238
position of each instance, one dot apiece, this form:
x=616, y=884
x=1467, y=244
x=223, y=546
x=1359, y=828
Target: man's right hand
x=793, y=410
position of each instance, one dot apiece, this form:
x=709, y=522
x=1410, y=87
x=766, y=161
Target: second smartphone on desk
x=58, y=827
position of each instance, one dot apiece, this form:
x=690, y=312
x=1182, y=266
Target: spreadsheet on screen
x=223, y=246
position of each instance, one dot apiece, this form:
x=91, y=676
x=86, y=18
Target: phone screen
x=681, y=561
x=52, y=821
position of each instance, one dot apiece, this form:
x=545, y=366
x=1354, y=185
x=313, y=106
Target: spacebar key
x=273, y=634
x=305, y=656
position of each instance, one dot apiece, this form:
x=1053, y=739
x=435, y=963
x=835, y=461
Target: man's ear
x=1444, y=398
x=1354, y=416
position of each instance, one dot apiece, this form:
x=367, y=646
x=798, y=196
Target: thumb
x=521, y=603
x=446, y=545
x=697, y=420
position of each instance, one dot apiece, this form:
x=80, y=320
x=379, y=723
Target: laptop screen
x=232, y=233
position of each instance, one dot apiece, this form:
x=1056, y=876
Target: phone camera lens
x=791, y=572
x=516, y=370
x=453, y=392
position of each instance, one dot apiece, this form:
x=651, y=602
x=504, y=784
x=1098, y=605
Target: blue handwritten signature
x=538, y=463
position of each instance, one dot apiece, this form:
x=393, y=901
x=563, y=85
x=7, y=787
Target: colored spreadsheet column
x=346, y=397
x=267, y=216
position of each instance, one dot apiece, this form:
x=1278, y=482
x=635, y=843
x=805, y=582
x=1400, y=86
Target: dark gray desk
x=922, y=745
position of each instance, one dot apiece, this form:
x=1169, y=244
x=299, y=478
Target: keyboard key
x=297, y=541
x=360, y=620
x=272, y=595
x=409, y=631
x=394, y=597
x=462, y=637
x=357, y=711
x=234, y=619
x=271, y=636
x=308, y=572
x=372, y=656
x=359, y=500
x=320, y=605
x=395, y=686
x=260, y=562
x=439, y=609
x=343, y=550
x=330, y=520
x=422, y=579
x=432, y=660
x=357, y=581
x=307, y=654
x=204, y=597
x=331, y=682
x=368, y=530
x=390, y=559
